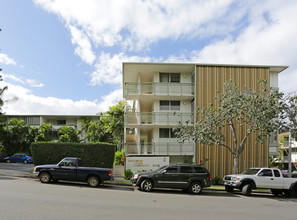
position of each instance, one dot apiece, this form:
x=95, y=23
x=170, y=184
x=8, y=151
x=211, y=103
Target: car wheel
x=247, y=189
x=7, y=161
x=293, y=191
x=229, y=189
x=26, y=161
x=93, y=181
x=276, y=192
x=146, y=185
x=195, y=188
x=45, y=177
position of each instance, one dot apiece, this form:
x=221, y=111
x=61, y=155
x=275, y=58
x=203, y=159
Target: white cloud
x=137, y=24
x=245, y=32
x=109, y=67
x=34, y=83
x=84, y=47
x=30, y=82
x=111, y=99
x=4, y=59
x=269, y=39
x=12, y=77
x=29, y=103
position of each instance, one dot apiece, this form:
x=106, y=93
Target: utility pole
x=290, y=154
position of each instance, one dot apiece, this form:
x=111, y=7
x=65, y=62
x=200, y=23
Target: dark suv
x=180, y=176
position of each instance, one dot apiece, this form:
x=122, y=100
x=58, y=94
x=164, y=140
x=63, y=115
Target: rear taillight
x=110, y=173
x=209, y=176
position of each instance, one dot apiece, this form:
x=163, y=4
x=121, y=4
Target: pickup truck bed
x=68, y=169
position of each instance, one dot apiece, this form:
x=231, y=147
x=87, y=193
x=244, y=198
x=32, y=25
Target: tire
x=276, y=192
x=26, y=161
x=93, y=181
x=146, y=185
x=293, y=191
x=247, y=190
x=229, y=189
x=45, y=177
x=7, y=161
x=195, y=188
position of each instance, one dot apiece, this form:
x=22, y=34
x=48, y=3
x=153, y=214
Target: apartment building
x=284, y=150
x=57, y=121
x=162, y=94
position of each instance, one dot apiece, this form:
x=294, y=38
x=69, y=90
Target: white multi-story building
x=163, y=94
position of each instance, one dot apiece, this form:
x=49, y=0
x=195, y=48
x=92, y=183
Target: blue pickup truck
x=68, y=169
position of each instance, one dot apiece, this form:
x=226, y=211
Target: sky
x=64, y=57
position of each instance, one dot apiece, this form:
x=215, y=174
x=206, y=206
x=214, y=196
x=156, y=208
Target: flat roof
x=274, y=68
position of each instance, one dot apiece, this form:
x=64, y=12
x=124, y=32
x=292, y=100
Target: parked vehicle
x=19, y=158
x=286, y=173
x=264, y=178
x=69, y=169
x=192, y=178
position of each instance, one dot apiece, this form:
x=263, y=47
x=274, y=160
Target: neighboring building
x=57, y=121
x=162, y=94
x=284, y=150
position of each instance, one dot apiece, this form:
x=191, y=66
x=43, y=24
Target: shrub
x=119, y=158
x=187, y=159
x=217, y=181
x=128, y=174
x=91, y=154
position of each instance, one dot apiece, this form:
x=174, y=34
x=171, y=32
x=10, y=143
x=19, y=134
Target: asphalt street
x=27, y=198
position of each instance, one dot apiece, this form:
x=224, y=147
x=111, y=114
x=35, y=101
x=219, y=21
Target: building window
x=61, y=122
x=169, y=105
x=166, y=133
x=170, y=77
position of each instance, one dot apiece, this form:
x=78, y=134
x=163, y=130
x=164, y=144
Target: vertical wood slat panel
x=211, y=79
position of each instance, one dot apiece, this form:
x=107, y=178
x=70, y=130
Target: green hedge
x=91, y=154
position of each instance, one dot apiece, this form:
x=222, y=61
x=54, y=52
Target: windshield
x=251, y=172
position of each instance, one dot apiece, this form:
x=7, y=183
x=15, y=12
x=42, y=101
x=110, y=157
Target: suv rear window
x=199, y=170
x=186, y=169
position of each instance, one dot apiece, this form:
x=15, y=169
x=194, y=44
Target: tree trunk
x=235, y=165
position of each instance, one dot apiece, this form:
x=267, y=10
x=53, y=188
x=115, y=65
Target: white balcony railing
x=285, y=159
x=167, y=89
x=158, y=118
x=160, y=148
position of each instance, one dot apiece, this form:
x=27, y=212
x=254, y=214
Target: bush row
x=91, y=154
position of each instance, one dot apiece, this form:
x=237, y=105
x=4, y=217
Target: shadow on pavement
x=85, y=185
x=6, y=178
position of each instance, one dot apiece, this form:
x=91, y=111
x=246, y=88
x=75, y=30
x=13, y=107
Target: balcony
x=160, y=149
x=159, y=89
x=157, y=118
x=285, y=159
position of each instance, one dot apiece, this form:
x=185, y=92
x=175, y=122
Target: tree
x=69, y=134
x=17, y=136
x=45, y=132
x=98, y=131
x=115, y=119
x=109, y=127
x=256, y=112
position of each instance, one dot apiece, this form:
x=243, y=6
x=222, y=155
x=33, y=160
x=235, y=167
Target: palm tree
x=1, y=100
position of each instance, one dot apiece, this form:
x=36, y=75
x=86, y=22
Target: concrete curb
x=115, y=183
